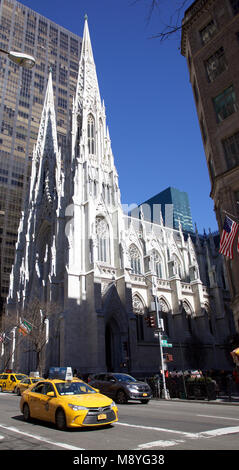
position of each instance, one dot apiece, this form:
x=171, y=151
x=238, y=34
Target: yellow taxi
x=9, y=381
x=71, y=403
x=25, y=383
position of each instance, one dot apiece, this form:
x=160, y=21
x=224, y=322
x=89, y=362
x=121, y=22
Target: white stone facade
x=76, y=248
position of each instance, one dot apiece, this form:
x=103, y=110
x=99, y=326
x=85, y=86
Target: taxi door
x=47, y=404
x=34, y=400
x=11, y=382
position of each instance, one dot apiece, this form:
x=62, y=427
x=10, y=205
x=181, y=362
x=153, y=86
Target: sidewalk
x=222, y=399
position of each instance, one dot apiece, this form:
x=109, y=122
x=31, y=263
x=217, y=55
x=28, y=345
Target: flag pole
x=231, y=215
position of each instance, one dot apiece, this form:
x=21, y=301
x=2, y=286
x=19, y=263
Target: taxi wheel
x=0, y=389
x=18, y=392
x=14, y=390
x=121, y=397
x=26, y=412
x=60, y=419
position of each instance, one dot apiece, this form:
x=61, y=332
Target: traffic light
x=152, y=323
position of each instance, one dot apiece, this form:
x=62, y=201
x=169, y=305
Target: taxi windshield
x=73, y=388
x=20, y=376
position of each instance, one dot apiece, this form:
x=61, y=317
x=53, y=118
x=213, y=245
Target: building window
x=135, y=259
x=78, y=135
x=216, y=64
x=208, y=32
x=91, y=135
x=102, y=231
x=225, y=104
x=231, y=150
x=156, y=264
x=235, y=6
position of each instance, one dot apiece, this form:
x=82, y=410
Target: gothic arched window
x=188, y=311
x=103, y=239
x=78, y=135
x=138, y=308
x=91, y=134
x=134, y=254
x=164, y=310
x=177, y=266
x=157, y=266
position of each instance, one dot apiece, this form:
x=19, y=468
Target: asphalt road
x=157, y=426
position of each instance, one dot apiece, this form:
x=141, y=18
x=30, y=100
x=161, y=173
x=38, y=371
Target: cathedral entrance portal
x=112, y=346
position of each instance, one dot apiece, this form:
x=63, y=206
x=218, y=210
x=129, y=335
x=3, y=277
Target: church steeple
x=87, y=90
x=46, y=155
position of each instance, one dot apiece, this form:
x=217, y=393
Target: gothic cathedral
x=100, y=268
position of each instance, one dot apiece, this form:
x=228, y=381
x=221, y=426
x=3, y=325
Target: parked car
x=9, y=381
x=67, y=404
x=121, y=387
x=25, y=383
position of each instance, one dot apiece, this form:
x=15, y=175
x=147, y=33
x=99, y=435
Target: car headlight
x=77, y=407
x=112, y=404
x=134, y=387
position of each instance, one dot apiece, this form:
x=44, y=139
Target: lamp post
x=19, y=58
x=159, y=327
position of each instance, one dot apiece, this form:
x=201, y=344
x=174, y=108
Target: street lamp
x=21, y=59
x=154, y=292
x=159, y=329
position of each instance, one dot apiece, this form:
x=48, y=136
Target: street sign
x=166, y=344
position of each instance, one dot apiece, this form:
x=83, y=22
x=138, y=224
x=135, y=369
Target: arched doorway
x=113, y=346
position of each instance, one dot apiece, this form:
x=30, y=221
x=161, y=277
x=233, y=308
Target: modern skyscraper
x=174, y=206
x=22, y=92
x=210, y=42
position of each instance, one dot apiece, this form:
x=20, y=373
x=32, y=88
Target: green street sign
x=166, y=344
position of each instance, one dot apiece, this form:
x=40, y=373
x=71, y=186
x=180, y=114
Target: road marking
x=151, y=428
x=218, y=417
x=149, y=445
x=219, y=432
x=40, y=438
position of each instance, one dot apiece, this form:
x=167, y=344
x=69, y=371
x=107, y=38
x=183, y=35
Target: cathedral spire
x=48, y=119
x=46, y=155
x=87, y=90
x=86, y=43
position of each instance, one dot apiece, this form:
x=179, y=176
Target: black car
x=121, y=387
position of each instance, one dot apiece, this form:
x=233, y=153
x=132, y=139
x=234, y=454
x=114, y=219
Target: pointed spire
x=86, y=43
x=48, y=114
x=87, y=84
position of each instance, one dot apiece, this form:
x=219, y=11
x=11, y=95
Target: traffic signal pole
x=160, y=344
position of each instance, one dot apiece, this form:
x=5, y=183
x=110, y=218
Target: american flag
x=228, y=236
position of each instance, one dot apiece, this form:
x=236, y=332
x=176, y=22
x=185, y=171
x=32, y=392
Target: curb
x=219, y=401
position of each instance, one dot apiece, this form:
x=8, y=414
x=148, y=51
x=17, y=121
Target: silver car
x=121, y=387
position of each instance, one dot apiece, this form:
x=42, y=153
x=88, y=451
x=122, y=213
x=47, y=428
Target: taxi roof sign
x=63, y=373
x=34, y=374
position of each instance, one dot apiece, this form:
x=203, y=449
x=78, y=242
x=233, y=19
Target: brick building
x=210, y=43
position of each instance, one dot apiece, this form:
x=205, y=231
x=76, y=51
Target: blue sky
x=154, y=130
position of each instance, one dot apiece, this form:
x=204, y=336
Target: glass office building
x=174, y=206
x=22, y=92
